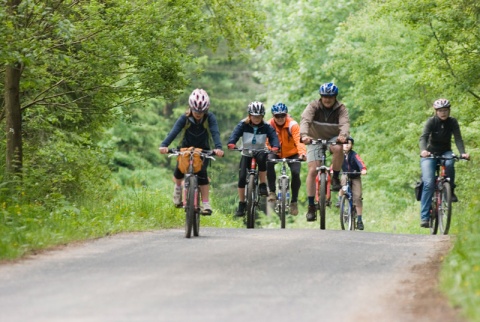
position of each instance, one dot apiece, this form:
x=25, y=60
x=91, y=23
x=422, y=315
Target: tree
x=74, y=66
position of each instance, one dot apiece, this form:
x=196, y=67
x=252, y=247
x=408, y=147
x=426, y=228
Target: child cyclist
x=288, y=132
x=254, y=132
x=353, y=163
x=196, y=134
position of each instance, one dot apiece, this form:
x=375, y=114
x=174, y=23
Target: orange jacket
x=289, y=136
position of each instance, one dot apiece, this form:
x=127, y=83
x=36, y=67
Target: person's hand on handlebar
x=218, y=152
x=425, y=154
x=466, y=156
x=231, y=146
x=163, y=149
x=303, y=157
x=274, y=149
x=306, y=139
x=363, y=172
x=342, y=138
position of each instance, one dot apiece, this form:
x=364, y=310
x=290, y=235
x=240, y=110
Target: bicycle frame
x=323, y=180
x=191, y=192
x=282, y=204
x=252, y=197
x=348, y=211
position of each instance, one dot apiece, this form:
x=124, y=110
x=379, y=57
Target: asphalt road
x=224, y=275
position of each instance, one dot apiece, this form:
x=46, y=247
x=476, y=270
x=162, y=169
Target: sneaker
x=424, y=224
x=360, y=225
x=241, y=209
x=293, y=208
x=337, y=204
x=207, y=209
x=312, y=213
x=454, y=197
x=336, y=186
x=177, y=197
x=262, y=189
x=272, y=196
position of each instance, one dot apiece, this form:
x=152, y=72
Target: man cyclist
x=436, y=138
x=326, y=119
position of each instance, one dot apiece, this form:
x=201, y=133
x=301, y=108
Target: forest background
x=90, y=90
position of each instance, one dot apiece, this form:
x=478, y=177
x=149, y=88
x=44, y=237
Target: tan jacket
x=319, y=122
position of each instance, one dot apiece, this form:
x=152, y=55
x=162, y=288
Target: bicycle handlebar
x=285, y=160
x=324, y=142
x=204, y=153
x=439, y=157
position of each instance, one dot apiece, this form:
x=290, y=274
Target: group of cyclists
x=282, y=137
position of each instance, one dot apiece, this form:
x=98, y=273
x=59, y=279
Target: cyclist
x=436, y=138
x=199, y=126
x=288, y=132
x=254, y=132
x=328, y=119
x=353, y=163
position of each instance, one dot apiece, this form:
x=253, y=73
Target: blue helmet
x=279, y=108
x=328, y=89
x=351, y=139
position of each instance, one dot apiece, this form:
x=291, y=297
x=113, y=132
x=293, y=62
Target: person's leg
x=177, y=189
x=337, y=160
x=271, y=175
x=428, y=177
x=295, y=185
x=313, y=157
x=358, y=201
x=450, y=172
x=262, y=173
x=242, y=174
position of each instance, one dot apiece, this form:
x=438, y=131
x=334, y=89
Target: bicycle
x=323, y=180
x=348, y=211
x=441, y=206
x=252, y=197
x=282, y=203
x=191, y=191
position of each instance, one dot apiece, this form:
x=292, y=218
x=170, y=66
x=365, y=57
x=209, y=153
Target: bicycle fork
x=323, y=169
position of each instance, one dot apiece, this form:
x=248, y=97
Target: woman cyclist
x=436, y=138
x=288, y=132
x=254, y=132
x=196, y=134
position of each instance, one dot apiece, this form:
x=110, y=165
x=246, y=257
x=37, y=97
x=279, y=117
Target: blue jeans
x=428, y=177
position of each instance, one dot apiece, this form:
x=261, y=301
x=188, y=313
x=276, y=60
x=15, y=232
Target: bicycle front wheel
x=346, y=214
x=196, y=217
x=190, y=207
x=322, y=199
x=283, y=201
x=433, y=218
x=445, y=209
x=251, y=201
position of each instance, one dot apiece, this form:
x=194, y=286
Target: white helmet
x=199, y=100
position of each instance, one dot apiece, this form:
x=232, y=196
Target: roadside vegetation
x=79, y=152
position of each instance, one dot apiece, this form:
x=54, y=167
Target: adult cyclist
x=436, y=138
x=327, y=119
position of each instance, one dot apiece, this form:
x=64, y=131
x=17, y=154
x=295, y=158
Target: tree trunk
x=13, y=117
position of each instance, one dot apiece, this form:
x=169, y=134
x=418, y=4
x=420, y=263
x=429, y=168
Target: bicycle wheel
x=322, y=199
x=283, y=201
x=190, y=207
x=445, y=209
x=433, y=218
x=345, y=214
x=251, y=200
x=196, y=204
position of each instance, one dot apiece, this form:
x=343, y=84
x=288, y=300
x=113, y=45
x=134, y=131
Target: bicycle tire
x=196, y=216
x=251, y=200
x=433, y=218
x=190, y=208
x=322, y=199
x=283, y=202
x=445, y=209
x=345, y=214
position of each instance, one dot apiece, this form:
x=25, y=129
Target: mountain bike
x=323, y=180
x=348, y=211
x=282, y=203
x=441, y=207
x=191, y=191
x=252, y=197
